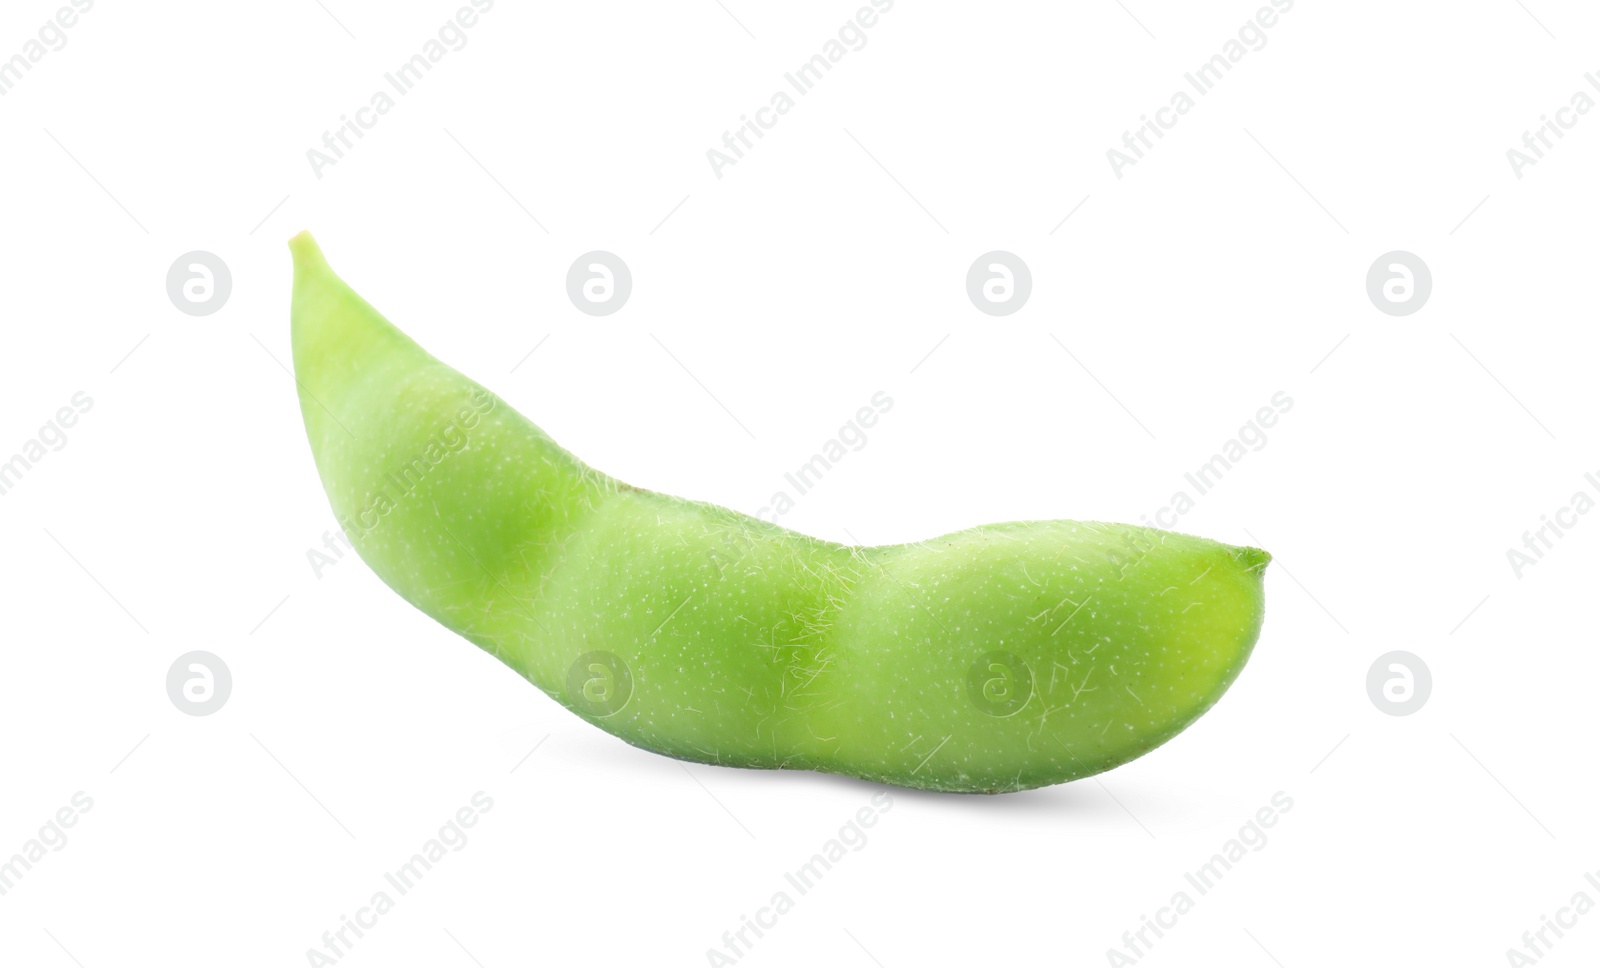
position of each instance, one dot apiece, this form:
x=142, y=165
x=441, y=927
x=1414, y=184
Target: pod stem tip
x=305, y=250
x=1252, y=559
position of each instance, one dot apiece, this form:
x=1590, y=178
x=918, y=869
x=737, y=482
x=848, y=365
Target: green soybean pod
x=995, y=659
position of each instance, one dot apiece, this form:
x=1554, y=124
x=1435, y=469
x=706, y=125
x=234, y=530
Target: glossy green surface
x=1000, y=658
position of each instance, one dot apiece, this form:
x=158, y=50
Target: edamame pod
x=995, y=659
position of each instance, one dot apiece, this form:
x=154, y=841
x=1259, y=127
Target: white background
x=767, y=307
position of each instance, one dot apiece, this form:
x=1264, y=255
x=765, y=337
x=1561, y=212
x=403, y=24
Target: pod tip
x=304, y=249
x=1252, y=559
